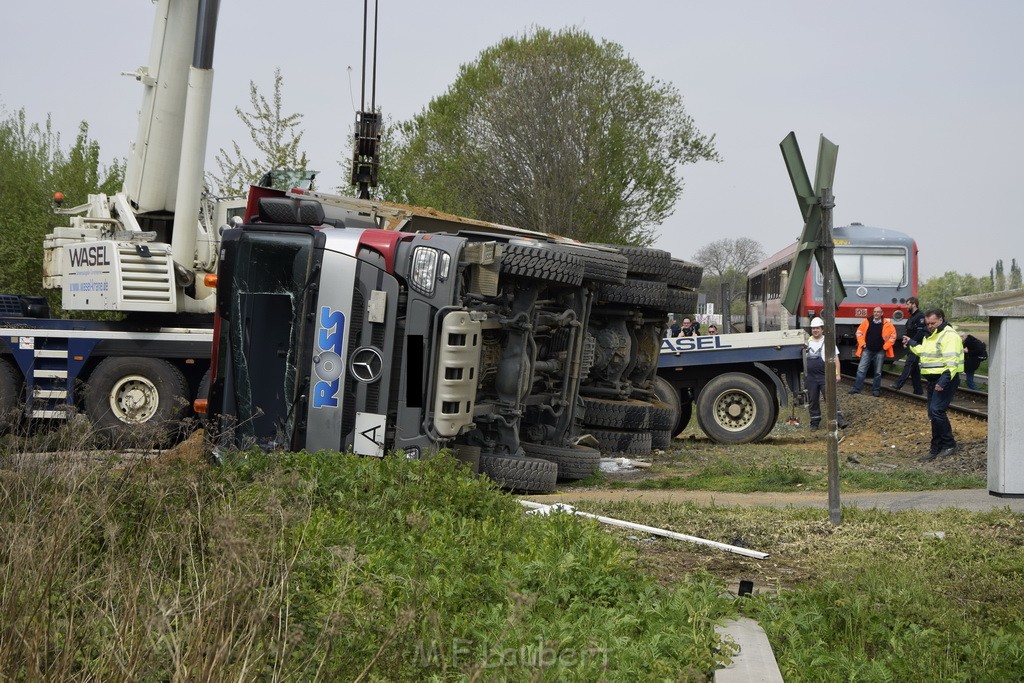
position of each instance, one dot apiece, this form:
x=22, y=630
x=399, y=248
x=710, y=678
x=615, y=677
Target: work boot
x=946, y=452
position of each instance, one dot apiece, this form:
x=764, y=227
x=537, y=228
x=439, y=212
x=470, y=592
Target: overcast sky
x=924, y=98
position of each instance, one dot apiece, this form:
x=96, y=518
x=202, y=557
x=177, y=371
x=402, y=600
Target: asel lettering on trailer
x=677, y=344
x=327, y=363
x=95, y=255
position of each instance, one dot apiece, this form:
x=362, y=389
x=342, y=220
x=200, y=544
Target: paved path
x=977, y=500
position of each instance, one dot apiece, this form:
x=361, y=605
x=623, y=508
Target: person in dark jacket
x=975, y=351
x=690, y=329
x=911, y=363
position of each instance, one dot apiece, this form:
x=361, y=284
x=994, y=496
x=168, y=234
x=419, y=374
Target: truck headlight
x=424, y=269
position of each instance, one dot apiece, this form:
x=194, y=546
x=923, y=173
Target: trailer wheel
x=734, y=408
x=10, y=395
x=681, y=406
x=136, y=400
x=542, y=264
x=771, y=423
x=520, y=474
x=574, y=463
x=605, y=412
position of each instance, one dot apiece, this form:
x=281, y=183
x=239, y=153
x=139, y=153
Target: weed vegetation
x=904, y=596
x=739, y=477
x=326, y=567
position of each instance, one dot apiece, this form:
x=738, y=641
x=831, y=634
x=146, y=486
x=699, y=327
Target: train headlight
x=424, y=269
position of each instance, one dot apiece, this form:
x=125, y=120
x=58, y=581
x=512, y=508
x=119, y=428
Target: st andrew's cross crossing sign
x=809, y=200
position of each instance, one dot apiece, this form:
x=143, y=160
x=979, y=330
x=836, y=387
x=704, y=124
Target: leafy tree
x=728, y=260
x=550, y=131
x=999, y=283
x=277, y=139
x=939, y=291
x=33, y=165
x=1015, y=275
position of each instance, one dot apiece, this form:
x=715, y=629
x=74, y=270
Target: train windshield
x=882, y=267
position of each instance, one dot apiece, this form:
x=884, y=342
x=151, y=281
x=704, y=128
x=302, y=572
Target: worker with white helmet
x=815, y=378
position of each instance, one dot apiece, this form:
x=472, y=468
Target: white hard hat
x=817, y=322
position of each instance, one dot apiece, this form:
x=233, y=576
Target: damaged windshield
x=268, y=283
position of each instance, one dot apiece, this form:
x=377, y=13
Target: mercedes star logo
x=366, y=364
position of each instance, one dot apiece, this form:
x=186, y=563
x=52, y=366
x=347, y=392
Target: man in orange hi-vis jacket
x=875, y=339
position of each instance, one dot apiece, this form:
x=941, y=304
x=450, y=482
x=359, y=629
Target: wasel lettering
x=677, y=344
x=327, y=364
x=95, y=255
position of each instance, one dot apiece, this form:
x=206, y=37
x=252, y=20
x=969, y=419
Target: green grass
x=324, y=567
x=881, y=598
x=729, y=475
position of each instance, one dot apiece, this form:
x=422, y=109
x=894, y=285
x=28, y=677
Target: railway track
x=965, y=401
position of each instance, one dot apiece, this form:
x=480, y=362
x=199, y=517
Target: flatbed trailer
x=117, y=372
x=738, y=382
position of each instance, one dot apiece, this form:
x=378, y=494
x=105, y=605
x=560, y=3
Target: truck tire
x=10, y=395
x=644, y=293
x=520, y=474
x=772, y=422
x=661, y=439
x=680, y=301
x=621, y=441
x=663, y=416
x=681, y=406
x=604, y=412
x=685, y=274
x=574, y=463
x=598, y=265
x=735, y=408
x=645, y=261
x=542, y=264
x=136, y=401
x=685, y=415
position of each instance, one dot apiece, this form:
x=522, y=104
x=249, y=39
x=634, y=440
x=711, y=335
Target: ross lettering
x=325, y=394
x=96, y=255
x=327, y=363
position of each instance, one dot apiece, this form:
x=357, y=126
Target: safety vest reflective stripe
x=941, y=351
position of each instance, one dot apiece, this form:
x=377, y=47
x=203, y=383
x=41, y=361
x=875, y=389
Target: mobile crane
x=142, y=253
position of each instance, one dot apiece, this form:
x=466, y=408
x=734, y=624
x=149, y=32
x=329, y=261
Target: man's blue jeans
x=873, y=360
x=938, y=402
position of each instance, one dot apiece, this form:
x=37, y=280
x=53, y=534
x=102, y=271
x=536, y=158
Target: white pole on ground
x=542, y=509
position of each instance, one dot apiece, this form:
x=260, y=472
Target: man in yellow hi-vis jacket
x=942, y=362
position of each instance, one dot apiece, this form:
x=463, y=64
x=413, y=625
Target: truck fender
x=780, y=388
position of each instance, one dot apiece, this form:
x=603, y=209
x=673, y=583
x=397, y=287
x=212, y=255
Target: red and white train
x=878, y=267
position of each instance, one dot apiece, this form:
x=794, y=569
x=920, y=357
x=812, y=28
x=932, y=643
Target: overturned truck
x=346, y=324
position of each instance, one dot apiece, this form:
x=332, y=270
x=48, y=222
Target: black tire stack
x=619, y=411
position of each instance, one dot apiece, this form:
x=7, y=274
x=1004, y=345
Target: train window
x=848, y=266
x=875, y=267
x=884, y=270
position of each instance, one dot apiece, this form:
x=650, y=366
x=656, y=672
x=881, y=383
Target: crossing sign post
x=816, y=205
